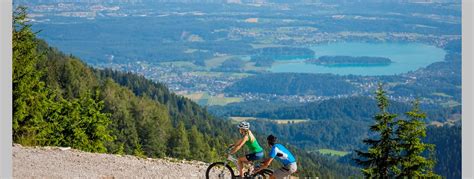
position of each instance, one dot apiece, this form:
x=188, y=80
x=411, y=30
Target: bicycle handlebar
x=227, y=151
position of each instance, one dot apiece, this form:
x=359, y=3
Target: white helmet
x=244, y=125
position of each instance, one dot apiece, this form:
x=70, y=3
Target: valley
x=203, y=68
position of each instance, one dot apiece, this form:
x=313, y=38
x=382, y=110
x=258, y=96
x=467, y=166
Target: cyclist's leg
x=253, y=157
x=241, y=162
x=248, y=159
x=284, y=172
x=280, y=173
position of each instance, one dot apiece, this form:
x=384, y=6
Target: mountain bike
x=223, y=170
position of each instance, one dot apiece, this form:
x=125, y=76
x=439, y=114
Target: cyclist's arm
x=239, y=144
x=266, y=163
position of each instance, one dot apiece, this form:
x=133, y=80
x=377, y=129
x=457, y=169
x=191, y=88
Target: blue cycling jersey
x=283, y=155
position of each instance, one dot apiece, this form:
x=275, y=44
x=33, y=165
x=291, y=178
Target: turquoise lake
x=405, y=57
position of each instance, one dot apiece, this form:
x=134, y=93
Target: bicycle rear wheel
x=219, y=171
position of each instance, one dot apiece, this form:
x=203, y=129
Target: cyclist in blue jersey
x=283, y=155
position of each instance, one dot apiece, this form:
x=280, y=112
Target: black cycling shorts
x=254, y=156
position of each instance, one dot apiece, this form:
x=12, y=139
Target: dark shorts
x=254, y=156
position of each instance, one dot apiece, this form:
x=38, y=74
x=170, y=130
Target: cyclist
x=248, y=139
x=283, y=155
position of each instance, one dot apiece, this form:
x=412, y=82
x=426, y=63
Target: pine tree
x=117, y=102
x=153, y=126
x=179, y=143
x=200, y=149
x=380, y=160
x=79, y=123
x=40, y=115
x=409, y=136
x=30, y=97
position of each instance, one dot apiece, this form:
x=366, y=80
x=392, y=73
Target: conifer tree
x=380, y=160
x=30, y=97
x=179, y=143
x=200, y=149
x=78, y=123
x=409, y=136
x=153, y=126
x=40, y=115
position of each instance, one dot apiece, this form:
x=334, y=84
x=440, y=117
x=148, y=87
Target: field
x=216, y=62
x=207, y=100
x=194, y=96
x=288, y=121
x=240, y=119
x=332, y=152
x=250, y=66
x=278, y=121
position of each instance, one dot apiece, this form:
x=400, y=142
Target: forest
x=292, y=84
x=350, y=108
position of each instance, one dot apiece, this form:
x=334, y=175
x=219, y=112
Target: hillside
x=357, y=108
x=292, y=84
x=56, y=162
x=142, y=113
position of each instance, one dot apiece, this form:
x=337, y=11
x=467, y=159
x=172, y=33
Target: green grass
x=206, y=99
x=221, y=101
x=216, y=62
x=194, y=96
x=332, y=152
x=278, y=121
x=240, y=119
x=250, y=66
x=286, y=121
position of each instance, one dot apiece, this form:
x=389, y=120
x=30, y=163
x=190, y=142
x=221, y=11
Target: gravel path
x=54, y=162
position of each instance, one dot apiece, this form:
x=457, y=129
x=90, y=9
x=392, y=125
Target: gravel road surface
x=55, y=162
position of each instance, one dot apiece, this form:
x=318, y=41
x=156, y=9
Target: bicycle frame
x=231, y=158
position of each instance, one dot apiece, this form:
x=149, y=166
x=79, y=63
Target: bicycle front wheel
x=219, y=171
